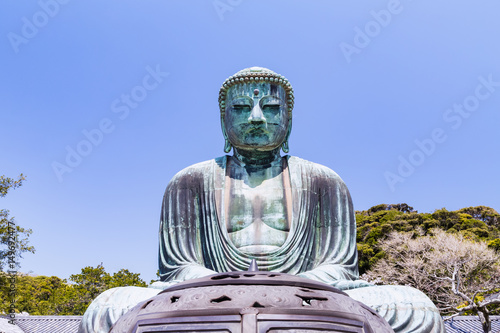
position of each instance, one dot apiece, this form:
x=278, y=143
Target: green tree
x=495, y=244
x=483, y=213
x=13, y=238
x=9, y=183
x=375, y=224
x=44, y=295
x=92, y=281
x=124, y=278
x=39, y=295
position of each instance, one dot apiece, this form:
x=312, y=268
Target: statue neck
x=258, y=158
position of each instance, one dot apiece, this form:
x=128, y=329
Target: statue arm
x=180, y=253
x=335, y=252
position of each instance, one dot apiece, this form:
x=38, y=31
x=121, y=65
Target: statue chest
x=256, y=219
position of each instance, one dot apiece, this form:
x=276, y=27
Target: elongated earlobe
x=227, y=146
x=284, y=146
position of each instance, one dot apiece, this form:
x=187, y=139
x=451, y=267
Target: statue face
x=256, y=116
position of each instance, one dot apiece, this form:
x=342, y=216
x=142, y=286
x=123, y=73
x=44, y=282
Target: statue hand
x=347, y=284
x=162, y=285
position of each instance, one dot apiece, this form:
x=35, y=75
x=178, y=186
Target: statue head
x=256, y=110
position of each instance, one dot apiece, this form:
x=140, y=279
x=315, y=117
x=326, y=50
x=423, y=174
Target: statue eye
x=242, y=107
x=272, y=107
x=271, y=104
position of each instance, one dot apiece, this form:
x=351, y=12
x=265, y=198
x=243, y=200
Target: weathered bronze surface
x=251, y=302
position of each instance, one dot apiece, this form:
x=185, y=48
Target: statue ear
x=227, y=144
x=284, y=146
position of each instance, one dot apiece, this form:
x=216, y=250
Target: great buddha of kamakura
x=291, y=215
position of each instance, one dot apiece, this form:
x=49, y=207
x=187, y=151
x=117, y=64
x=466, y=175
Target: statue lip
x=257, y=129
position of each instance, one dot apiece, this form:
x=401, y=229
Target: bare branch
x=490, y=301
x=452, y=316
x=450, y=269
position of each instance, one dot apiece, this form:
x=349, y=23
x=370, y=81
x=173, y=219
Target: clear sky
x=102, y=102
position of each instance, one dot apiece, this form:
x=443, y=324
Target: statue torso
x=256, y=219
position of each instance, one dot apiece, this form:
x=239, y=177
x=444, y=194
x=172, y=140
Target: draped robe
x=321, y=244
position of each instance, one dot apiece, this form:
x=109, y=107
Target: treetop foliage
x=8, y=183
x=44, y=295
x=376, y=223
x=10, y=231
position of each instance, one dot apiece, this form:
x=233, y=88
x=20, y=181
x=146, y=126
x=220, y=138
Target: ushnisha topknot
x=256, y=74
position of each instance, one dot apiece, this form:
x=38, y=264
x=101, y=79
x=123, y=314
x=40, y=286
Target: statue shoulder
x=314, y=170
x=196, y=174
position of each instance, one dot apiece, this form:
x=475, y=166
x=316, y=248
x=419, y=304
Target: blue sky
x=400, y=98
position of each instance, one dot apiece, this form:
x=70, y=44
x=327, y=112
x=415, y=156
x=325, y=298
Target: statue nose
x=256, y=117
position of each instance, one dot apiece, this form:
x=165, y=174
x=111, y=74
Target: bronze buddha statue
x=290, y=215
